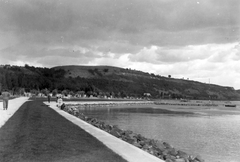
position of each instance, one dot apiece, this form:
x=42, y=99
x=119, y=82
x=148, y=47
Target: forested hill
x=107, y=80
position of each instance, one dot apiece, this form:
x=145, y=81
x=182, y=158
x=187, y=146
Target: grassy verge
x=37, y=133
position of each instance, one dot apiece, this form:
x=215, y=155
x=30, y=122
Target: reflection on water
x=215, y=138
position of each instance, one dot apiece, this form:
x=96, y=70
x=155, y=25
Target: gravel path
x=37, y=133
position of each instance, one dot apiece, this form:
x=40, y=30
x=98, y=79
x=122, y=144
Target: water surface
x=213, y=133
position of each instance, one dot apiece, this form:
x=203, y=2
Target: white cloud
x=167, y=37
x=217, y=62
x=148, y=55
x=23, y=63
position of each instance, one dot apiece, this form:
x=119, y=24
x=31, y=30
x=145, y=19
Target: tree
x=54, y=92
x=34, y=91
x=105, y=70
x=45, y=91
x=81, y=93
x=123, y=94
x=22, y=91
x=112, y=94
x=65, y=92
x=71, y=93
x=89, y=93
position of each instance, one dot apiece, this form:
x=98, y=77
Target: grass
x=37, y=133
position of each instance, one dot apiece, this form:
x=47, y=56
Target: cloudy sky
x=195, y=39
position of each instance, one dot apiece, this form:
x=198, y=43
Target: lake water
x=214, y=136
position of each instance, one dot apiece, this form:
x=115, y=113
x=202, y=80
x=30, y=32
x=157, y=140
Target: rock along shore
x=160, y=149
x=107, y=103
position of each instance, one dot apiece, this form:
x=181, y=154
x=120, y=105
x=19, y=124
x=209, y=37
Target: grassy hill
x=98, y=71
x=142, y=82
x=108, y=80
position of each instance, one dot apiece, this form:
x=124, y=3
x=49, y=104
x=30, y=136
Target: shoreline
x=124, y=149
x=197, y=110
x=160, y=149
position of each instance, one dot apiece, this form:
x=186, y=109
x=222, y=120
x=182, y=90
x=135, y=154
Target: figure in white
x=59, y=101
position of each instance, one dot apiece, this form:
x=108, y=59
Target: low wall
x=108, y=103
x=160, y=149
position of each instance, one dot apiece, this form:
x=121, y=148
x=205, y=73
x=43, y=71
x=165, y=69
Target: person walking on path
x=59, y=101
x=5, y=96
x=49, y=98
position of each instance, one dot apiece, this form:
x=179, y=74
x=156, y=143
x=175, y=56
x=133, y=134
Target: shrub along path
x=37, y=133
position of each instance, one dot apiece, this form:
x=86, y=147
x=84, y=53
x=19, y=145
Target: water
x=215, y=137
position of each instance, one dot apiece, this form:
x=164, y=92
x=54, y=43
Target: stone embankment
x=160, y=149
x=108, y=103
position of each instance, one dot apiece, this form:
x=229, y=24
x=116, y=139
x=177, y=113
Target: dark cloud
x=33, y=15
x=35, y=29
x=93, y=19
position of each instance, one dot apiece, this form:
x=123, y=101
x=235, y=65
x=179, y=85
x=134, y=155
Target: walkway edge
x=122, y=148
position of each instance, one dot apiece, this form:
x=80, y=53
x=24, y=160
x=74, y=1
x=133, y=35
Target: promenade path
x=122, y=148
x=36, y=132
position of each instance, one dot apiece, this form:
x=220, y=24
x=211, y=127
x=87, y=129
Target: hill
x=98, y=72
x=108, y=80
x=158, y=86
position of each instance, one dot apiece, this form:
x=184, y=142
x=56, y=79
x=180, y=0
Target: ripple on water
x=215, y=138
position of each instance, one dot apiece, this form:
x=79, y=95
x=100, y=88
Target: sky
x=189, y=39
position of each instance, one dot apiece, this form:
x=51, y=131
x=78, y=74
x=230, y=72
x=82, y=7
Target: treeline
x=35, y=80
x=102, y=82
x=14, y=77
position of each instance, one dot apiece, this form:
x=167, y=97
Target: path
x=122, y=148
